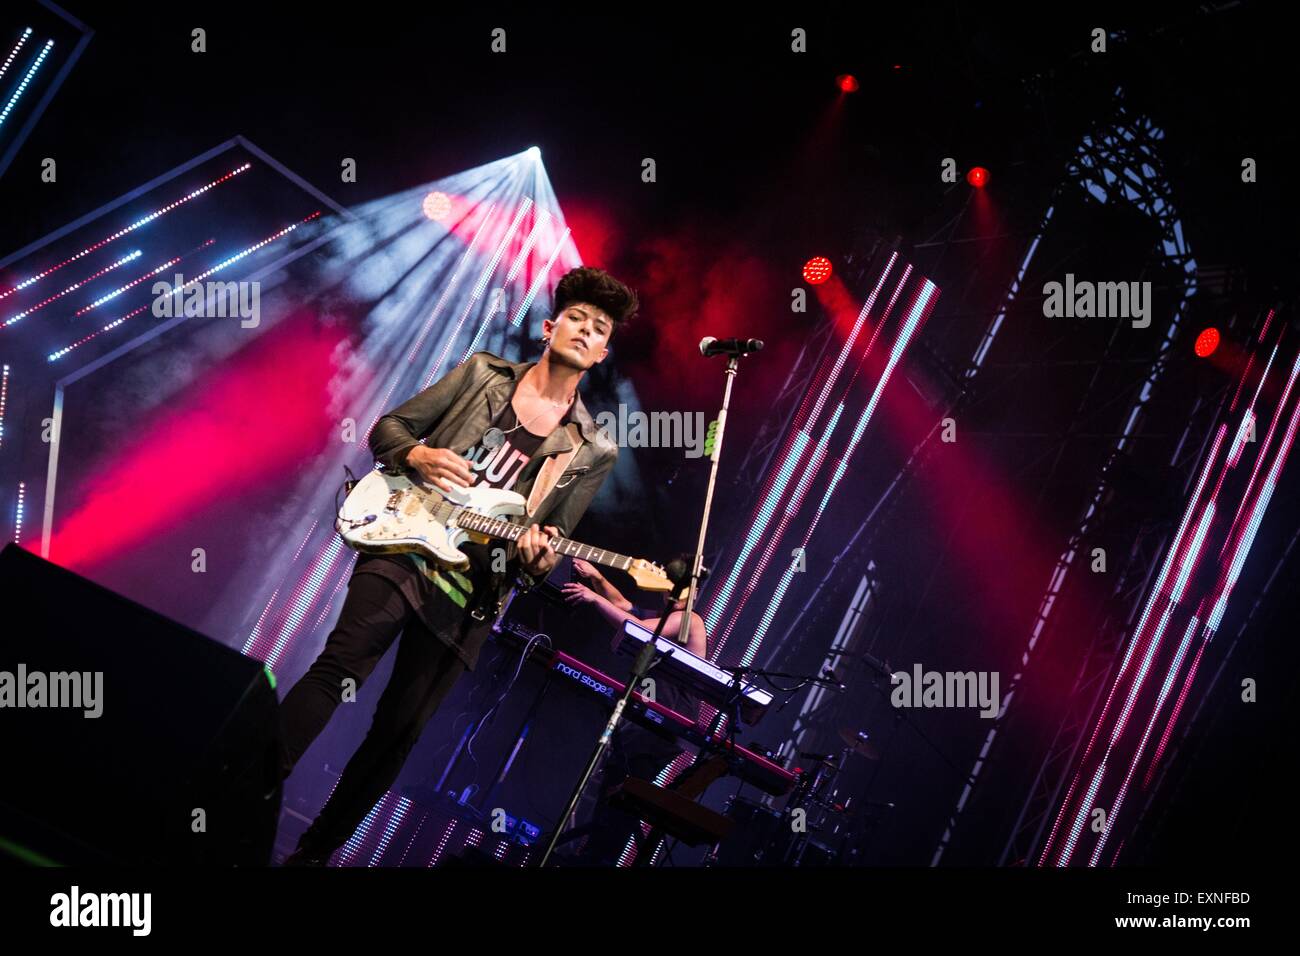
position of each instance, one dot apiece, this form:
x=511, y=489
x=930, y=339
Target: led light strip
x=303, y=597
x=22, y=87
x=1168, y=684
x=1268, y=440
x=442, y=843
x=779, y=477
x=18, y=513
x=13, y=54
x=1174, y=715
x=452, y=284
x=487, y=274
x=1239, y=541
x=391, y=825
x=125, y=288
x=794, y=502
x=59, y=353
x=533, y=289
x=813, y=467
x=477, y=291
x=4, y=399
x=251, y=643
x=70, y=289
x=1136, y=643
x=144, y=221
x=357, y=841
x=920, y=310
x=55, y=356
x=1261, y=503
x=543, y=217
x=245, y=253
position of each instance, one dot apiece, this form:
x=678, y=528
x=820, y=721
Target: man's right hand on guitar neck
x=440, y=467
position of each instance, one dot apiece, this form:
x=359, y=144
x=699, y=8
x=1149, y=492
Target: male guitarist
x=514, y=426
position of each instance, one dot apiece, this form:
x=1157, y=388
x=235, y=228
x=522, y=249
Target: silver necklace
x=495, y=437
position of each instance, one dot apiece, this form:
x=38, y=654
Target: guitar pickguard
x=388, y=514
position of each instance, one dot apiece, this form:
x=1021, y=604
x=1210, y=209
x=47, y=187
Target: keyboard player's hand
x=575, y=594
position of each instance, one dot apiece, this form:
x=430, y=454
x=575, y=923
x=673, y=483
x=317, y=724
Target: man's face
x=579, y=335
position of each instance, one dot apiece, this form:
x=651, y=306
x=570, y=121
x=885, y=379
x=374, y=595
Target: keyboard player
x=635, y=751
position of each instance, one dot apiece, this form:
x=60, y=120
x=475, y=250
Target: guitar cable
x=487, y=716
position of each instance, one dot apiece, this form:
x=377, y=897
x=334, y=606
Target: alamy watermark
x=636, y=429
x=240, y=300
x=77, y=909
x=1098, y=300
x=74, y=689
x=922, y=688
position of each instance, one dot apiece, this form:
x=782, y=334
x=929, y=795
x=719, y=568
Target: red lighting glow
x=817, y=270
x=978, y=177
x=847, y=82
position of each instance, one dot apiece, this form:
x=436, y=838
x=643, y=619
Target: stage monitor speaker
x=127, y=738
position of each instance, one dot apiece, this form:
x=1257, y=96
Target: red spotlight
x=817, y=270
x=1207, y=342
x=847, y=82
x=978, y=177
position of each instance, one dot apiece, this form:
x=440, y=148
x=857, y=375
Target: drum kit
x=816, y=827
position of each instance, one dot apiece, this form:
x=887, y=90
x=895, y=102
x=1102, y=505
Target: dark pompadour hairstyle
x=596, y=287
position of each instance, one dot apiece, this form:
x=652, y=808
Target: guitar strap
x=552, y=469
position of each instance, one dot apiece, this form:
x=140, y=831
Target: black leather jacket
x=455, y=410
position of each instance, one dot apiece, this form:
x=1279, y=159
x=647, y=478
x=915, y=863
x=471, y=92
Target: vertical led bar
x=18, y=513
x=4, y=400
x=479, y=287
x=1135, y=643
x=391, y=825
x=448, y=289
x=1239, y=540
x=540, y=278
x=441, y=846
x=1165, y=687
x=921, y=307
x=812, y=464
x=779, y=477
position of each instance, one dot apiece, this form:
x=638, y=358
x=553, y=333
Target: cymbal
x=857, y=742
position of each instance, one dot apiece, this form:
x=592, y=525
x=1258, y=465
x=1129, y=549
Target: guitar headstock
x=649, y=576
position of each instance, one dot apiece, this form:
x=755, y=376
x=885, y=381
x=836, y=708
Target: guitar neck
x=506, y=531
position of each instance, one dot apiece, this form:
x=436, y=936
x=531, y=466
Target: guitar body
x=389, y=514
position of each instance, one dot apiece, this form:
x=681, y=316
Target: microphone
x=710, y=346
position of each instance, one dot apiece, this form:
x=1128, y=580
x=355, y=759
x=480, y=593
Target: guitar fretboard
x=497, y=528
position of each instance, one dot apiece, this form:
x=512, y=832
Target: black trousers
x=426, y=669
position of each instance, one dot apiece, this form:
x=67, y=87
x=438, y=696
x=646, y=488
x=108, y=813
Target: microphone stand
x=645, y=661
x=697, y=562
x=733, y=363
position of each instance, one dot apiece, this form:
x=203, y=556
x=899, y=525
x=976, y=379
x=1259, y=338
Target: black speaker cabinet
x=126, y=738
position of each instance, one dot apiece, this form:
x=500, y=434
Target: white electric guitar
x=388, y=513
